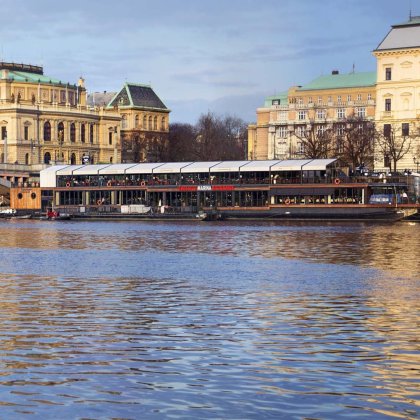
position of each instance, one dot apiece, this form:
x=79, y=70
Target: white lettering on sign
x=204, y=188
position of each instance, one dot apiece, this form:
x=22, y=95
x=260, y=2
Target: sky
x=222, y=56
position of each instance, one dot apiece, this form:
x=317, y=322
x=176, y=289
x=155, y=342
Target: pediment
x=406, y=64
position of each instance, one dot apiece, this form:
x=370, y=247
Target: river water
x=227, y=320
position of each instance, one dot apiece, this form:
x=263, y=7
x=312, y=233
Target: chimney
x=334, y=72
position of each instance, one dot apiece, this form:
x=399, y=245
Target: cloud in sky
x=199, y=52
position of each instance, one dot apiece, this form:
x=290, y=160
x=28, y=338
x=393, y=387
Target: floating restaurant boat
x=271, y=189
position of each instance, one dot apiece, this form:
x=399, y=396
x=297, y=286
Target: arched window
x=155, y=124
x=110, y=159
x=47, y=158
x=82, y=133
x=145, y=122
x=47, y=131
x=91, y=133
x=60, y=130
x=72, y=132
x=136, y=121
x=163, y=126
x=150, y=123
x=27, y=159
x=73, y=159
x=2, y=158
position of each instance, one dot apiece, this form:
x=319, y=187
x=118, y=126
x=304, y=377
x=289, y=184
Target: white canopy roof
x=68, y=170
x=89, y=169
x=290, y=165
x=318, y=164
x=259, y=165
x=171, y=168
x=117, y=169
x=143, y=168
x=199, y=167
x=47, y=177
x=229, y=166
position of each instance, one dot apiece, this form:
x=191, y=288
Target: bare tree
x=317, y=141
x=355, y=141
x=182, y=143
x=394, y=142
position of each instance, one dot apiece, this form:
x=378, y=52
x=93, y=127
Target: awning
x=199, y=167
x=117, y=169
x=259, y=165
x=89, y=169
x=171, y=168
x=229, y=166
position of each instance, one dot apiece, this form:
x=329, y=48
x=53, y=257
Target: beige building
x=144, y=121
x=43, y=120
x=325, y=103
x=398, y=92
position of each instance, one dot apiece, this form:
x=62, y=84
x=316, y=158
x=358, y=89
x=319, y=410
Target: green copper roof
x=281, y=97
x=337, y=81
x=21, y=76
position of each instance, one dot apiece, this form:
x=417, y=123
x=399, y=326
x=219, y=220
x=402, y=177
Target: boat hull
x=316, y=212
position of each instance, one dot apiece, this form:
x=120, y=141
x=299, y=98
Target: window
x=369, y=96
x=387, y=130
x=163, y=126
x=388, y=73
x=300, y=101
x=348, y=98
x=340, y=129
x=329, y=98
x=275, y=102
x=300, y=148
x=82, y=133
x=302, y=115
x=150, y=123
x=3, y=133
x=27, y=159
x=72, y=132
x=359, y=97
x=319, y=100
x=387, y=104
x=405, y=129
x=155, y=123
x=91, y=133
x=145, y=122
x=321, y=114
x=47, y=157
x=310, y=100
x=47, y=131
x=320, y=130
x=136, y=121
x=110, y=137
x=282, y=132
x=360, y=128
x=282, y=116
x=300, y=131
x=339, y=98
x=341, y=113
x=26, y=132
x=361, y=112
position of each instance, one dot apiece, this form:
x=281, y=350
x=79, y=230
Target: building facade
x=326, y=103
x=398, y=96
x=45, y=120
x=144, y=123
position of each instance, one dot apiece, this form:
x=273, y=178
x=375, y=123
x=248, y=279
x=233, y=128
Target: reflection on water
x=189, y=320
